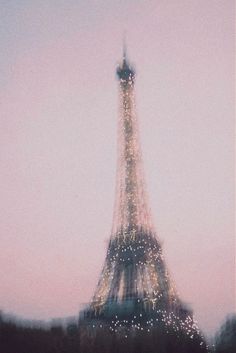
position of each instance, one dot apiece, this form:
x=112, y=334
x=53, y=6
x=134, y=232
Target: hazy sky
x=58, y=125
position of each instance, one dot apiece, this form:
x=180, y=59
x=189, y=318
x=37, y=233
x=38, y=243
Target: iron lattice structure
x=135, y=293
x=134, y=268
x=134, y=289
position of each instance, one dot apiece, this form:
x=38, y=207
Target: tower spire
x=124, y=46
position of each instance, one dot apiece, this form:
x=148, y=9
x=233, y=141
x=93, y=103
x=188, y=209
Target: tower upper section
x=131, y=212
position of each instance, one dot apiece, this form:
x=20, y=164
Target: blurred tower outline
x=134, y=289
x=134, y=273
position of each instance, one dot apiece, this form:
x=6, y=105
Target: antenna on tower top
x=124, y=46
x=124, y=71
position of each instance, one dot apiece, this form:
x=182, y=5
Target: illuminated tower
x=134, y=272
x=134, y=290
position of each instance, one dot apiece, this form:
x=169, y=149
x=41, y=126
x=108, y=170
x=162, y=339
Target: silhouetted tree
x=226, y=336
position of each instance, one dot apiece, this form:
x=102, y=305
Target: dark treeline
x=24, y=337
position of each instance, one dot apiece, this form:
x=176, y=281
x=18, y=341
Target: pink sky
x=59, y=107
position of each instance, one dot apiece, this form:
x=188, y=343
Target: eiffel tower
x=134, y=289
